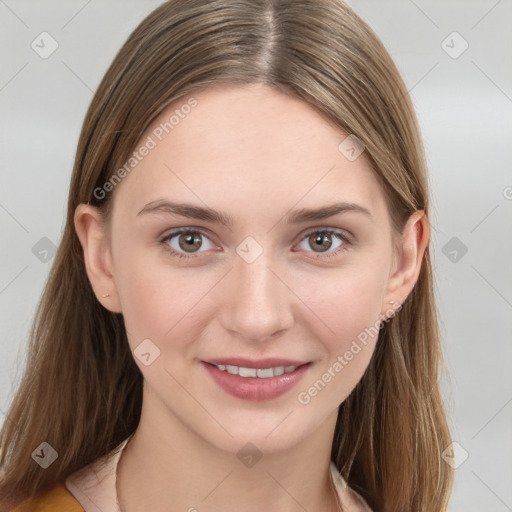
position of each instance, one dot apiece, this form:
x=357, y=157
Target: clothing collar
x=94, y=486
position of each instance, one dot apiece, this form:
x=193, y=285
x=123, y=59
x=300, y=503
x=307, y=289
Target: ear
x=407, y=260
x=97, y=255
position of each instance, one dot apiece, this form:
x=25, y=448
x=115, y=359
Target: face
x=259, y=280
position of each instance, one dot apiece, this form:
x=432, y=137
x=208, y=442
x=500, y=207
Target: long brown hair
x=81, y=390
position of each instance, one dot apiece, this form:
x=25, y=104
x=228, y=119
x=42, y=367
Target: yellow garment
x=56, y=499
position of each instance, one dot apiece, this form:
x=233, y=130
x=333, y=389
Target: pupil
x=323, y=241
x=191, y=241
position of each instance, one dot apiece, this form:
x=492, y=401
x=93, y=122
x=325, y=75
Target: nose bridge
x=259, y=303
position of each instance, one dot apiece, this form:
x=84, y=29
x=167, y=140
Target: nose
x=256, y=303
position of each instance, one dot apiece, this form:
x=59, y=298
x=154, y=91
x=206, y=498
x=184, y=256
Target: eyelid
x=346, y=237
x=328, y=229
x=164, y=239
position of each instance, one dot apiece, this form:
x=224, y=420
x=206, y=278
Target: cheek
x=346, y=303
x=159, y=302
x=348, y=306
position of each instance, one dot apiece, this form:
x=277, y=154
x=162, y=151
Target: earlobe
x=97, y=255
x=414, y=242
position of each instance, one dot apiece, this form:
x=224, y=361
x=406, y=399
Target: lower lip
x=254, y=388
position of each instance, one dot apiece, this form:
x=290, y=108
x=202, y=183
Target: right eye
x=186, y=238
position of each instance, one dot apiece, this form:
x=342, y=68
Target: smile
x=261, y=373
x=255, y=384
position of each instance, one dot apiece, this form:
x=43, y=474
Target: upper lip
x=268, y=362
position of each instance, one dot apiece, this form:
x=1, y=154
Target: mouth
x=260, y=373
x=257, y=380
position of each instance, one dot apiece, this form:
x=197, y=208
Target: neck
x=169, y=464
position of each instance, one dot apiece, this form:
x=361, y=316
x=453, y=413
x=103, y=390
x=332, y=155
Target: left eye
x=323, y=239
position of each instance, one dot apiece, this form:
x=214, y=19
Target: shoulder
x=55, y=499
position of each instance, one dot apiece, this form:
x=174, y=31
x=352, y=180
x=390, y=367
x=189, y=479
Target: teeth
x=262, y=373
x=247, y=372
x=232, y=369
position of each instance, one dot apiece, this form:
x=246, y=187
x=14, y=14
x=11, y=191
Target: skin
x=255, y=154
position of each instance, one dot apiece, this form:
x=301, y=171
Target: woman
x=194, y=346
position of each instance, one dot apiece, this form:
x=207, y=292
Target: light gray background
x=464, y=106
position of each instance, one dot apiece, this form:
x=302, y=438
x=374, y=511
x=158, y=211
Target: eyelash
x=341, y=235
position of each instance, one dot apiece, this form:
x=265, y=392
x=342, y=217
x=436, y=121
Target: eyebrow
x=208, y=214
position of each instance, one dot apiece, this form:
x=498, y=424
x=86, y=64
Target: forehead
x=250, y=147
